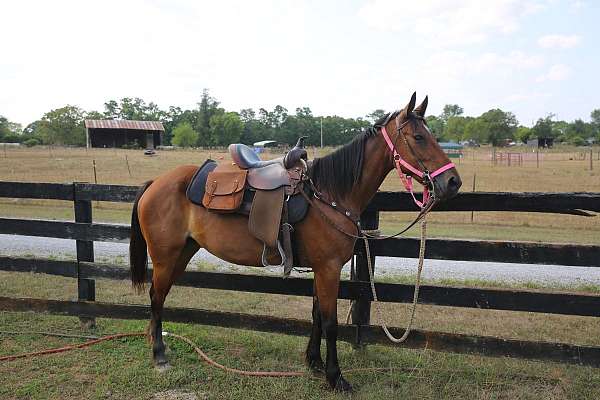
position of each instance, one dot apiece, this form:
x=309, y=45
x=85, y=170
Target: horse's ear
x=420, y=111
x=409, y=107
x=411, y=104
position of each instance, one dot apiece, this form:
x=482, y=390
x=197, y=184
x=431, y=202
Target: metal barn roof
x=450, y=145
x=264, y=143
x=124, y=124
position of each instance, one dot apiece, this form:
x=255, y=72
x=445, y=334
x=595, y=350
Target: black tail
x=138, y=255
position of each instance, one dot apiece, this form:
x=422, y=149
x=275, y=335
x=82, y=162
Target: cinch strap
x=407, y=179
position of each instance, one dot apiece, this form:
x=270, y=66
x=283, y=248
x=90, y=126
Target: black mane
x=338, y=172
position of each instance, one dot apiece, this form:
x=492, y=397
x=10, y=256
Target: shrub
x=577, y=141
x=184, y=135
x=31, y=142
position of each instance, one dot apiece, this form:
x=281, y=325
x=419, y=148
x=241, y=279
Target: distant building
x=260, y=147
x=452, y=150
x=541, y=142
x=119, y=133
x=265, y=143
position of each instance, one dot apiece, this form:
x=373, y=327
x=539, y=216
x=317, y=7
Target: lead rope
x=417, y=283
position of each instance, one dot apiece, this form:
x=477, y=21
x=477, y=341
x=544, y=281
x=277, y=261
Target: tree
x=112, y=110
x=376, y=115
x=595, y=115
x=225, y=128
x=184, y=135
x=449, y=111
x=4, y=130
x=436, y=126
x=476, y=130
x=303, y=123
x=132, y=109
x=559, y=130
x=577, y=131
x=523, y=133
x=455, y=127
x=501, y=125
x=63, y=126
x=252, y=131
x=543, y=128
x=207, y=108
x=9, y=131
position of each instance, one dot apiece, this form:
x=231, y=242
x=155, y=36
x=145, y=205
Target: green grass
x=122, y=369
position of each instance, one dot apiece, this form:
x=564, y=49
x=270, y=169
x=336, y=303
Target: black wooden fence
x=85, y=232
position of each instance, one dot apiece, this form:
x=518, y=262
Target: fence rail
x=85, y=232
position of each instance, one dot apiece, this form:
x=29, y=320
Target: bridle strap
x=399, y=162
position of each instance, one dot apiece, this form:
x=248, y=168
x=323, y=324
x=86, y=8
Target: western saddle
x=273, y=183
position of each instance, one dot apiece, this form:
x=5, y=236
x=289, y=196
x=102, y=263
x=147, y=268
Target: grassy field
x=560, y=170
x=122, y=369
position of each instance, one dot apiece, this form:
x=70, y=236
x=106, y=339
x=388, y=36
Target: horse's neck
x=376, y=166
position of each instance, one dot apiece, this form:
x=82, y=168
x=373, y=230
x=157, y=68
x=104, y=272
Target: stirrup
x=281, y=254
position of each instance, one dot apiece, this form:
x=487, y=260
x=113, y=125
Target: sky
x=346, y=58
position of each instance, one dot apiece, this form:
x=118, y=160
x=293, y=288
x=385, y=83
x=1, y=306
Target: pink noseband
x=407, y=179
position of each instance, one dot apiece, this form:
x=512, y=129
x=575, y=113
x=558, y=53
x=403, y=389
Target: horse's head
x=418, y=153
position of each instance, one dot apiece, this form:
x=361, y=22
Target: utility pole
x=321, y=132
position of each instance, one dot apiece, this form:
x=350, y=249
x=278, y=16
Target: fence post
x=86, y=288
x=361, y=310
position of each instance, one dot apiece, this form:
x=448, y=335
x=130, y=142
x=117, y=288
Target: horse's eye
x=418, y=137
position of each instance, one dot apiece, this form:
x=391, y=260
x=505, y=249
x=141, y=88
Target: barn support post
x=86, y=288
x=361, y=308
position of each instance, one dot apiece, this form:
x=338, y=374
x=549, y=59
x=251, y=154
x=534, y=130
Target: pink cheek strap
x=407, y=180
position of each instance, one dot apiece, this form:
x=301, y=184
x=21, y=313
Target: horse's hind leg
x=165, y=271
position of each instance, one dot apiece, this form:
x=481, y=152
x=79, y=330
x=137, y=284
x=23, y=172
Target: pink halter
x=407, y=179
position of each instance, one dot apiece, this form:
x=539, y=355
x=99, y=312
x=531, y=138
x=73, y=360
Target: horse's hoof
x=342, y=385
x=162, y=367
x=316, y=367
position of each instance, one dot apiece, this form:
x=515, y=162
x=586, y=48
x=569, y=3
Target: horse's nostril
x=454, y=183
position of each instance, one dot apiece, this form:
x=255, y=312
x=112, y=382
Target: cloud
x=525, y=97
x=459, y=64
x=577, y=5
x=557, y=72
x=559, y=41
x=449, y=22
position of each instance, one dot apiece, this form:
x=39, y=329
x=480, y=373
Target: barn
x=120, y=133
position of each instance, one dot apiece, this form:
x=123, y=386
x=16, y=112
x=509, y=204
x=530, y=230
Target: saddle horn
x=300, y=142
x=296, y=154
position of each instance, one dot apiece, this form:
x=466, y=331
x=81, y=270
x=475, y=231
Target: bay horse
x=166, y=225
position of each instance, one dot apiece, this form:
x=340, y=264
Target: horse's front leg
x=327, y=283
x=313, y=350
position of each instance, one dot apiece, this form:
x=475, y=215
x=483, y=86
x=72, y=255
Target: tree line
x=498, y=127
x=209, y=125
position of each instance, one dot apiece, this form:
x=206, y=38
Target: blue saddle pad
x=195, y=189
x=297, y=205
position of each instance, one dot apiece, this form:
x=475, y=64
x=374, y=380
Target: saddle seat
x=269, y=174
x=246, y=158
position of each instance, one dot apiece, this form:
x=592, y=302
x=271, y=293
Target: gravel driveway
x=434, y=269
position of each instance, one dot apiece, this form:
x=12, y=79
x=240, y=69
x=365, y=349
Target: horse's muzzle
x=447, y=184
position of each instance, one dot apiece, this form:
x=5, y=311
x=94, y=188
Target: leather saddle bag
x=224, y=190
